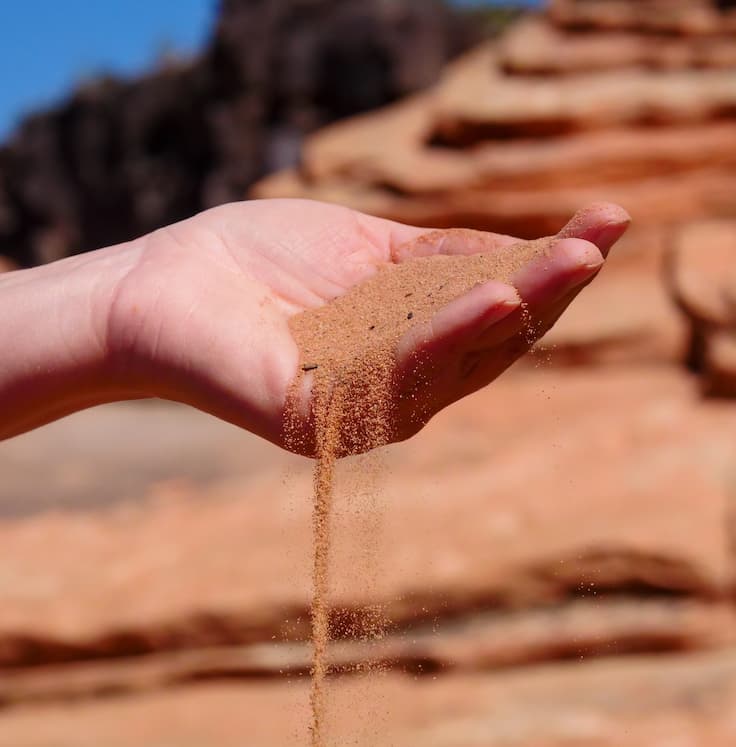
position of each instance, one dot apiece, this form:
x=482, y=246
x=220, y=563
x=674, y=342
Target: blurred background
x=554, y=556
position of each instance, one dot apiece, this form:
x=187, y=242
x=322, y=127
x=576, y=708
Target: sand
x=348, y=348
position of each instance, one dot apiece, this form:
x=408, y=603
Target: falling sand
x=348, y=351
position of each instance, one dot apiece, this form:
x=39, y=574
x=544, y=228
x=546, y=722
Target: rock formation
x=633, y=102
x=555, y=556
x=546, y=113
x=702, y=280
x=591, y=519
x=120, y=158
x=686, y=17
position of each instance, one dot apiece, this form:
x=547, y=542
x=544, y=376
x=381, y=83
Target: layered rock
x=583, y=513
x=605, y=514
x=593, y=543
x=702, y=279
x=520, y=132
x=531, y=106
x=537, y=48
x=686, y=17
x=642, y=701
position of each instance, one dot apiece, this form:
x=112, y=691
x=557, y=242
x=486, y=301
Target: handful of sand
x=351, y=341
x=349, y=348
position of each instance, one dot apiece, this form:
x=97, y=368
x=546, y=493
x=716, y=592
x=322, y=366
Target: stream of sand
x=347, y=349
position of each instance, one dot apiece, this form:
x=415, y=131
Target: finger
x=482, y=365
x=601, y=223
x=451, y=241
x=458, y=323
x=547, y=286
x=511, y=339
x=490, y=314
x=567, y=264
x=428, y=355
x=566, y=268
x=462, y=357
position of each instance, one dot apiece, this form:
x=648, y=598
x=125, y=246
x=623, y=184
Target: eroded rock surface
x=702, y=279
x=629, y=102
x=605, y=507
x=637, y=701
x=538, y=48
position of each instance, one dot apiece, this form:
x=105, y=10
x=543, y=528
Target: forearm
x=54, y=355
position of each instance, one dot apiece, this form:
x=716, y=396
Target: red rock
x=702, y=281
x=535, y=47
x=471, y=108
x=607, y=505
x=344, y=147
x=720, y=364
x=689, y=17
x=519, y=154
x=703, y=272
x=409, y=166
x=528, y=213
x=632, y=701
x=475, y=641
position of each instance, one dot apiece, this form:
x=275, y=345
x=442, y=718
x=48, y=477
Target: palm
x=213, y=296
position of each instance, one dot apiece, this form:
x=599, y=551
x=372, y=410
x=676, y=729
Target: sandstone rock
x=399, y=157
x=533, y=47
x=689, y=17
x=475, y=641
x=720, y=364
x=606, y=507
x=527, y=213
x=344, y=147
x=182, y=446
x=636, y=701
x=703, y=272
x=518, y=154
x=702, y=280
x=469, y=111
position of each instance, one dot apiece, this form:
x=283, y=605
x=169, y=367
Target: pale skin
x=198, y=312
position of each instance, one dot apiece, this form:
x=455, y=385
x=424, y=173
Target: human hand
x=198, y=312
x=202, y=315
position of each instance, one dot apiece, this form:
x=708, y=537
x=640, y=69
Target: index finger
x=452, y=241
x=601, y=223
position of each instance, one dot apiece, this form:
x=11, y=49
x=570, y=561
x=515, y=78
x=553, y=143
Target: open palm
x=202, y=317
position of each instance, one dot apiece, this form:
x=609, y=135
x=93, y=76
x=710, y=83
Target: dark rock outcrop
x=120, y=158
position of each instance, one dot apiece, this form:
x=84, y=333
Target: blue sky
x=46, y=46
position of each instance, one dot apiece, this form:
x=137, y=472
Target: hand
x=202, y=314
x=198, y=312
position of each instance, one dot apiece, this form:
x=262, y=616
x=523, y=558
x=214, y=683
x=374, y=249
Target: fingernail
x=606, y=236
x=594, y=264
x=582, y=254
x=501, y=310
x=585, y=260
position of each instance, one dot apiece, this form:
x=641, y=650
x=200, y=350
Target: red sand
x=348, y=347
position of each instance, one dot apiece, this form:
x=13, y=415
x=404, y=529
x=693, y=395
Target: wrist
x=54, y=356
